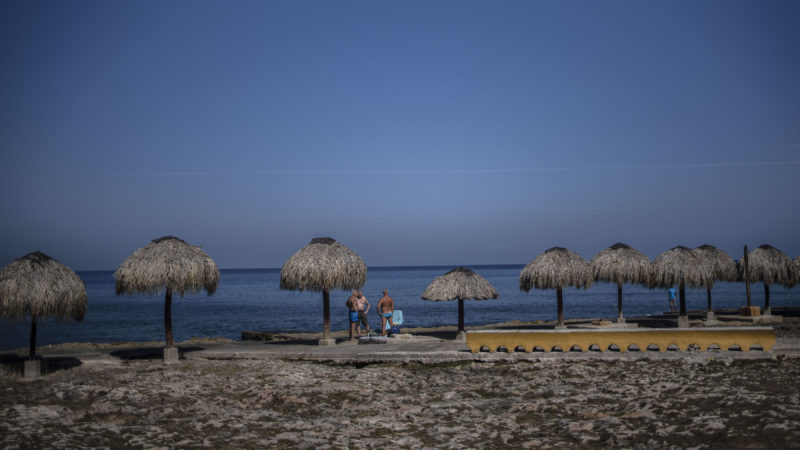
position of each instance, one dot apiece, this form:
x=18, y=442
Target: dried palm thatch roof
x=167, y=263
x=770, y=266
x=720, y=264
x=39, y=286
x=322, y=265
x=679, y=266
x=459, y=283
x=556, y=268
x=622, y=263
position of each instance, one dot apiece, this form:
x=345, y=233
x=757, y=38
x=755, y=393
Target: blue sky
x=416, y=133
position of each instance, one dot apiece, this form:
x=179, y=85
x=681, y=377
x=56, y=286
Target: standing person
x=362, y=307
x=353, y=314
x=385, y=310
x=671, y=297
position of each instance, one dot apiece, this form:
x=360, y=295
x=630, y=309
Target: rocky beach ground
x=276, y=403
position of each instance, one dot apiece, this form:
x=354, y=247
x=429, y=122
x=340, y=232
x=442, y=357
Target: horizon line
x=465, y=171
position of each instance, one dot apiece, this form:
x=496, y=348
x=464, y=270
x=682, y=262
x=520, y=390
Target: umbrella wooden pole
x=560, y=303
x=708, y=290
x=619, y=300
x=682, y=290
x=766, y=298
x=460, y=314
x=747, y=276
x=168, y=318
x=32, y=355
x=326, y=314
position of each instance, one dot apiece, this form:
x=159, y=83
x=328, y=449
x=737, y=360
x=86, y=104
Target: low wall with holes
x=724, y=338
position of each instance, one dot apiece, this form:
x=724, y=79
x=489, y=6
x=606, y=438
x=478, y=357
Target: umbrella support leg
x=683, y=319
x=560, y=305
x=620, y=319
x=766, y=311
x=33, y=367
x=709, y=312
x=326, y=320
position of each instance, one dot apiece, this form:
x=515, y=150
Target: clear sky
x=414, y=132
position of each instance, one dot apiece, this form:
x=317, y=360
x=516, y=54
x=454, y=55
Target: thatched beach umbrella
x=679, y=266
x=557, y=268
x=619, y=264
x=720, y=266
x=770, y=266
x=322, y=265
x=462, y=284
x=169, y=264
x=37, y=285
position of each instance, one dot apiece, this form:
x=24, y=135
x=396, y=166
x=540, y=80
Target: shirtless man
x=385, y=310
x=362, y=307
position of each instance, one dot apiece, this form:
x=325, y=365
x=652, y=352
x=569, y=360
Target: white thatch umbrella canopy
x=720, y=266
x=460, y=283
x=682, y=267
x=770, y=266
x=619, y=264
x=37, y=285
x=169, y=264
x=322, y=265
x=557, y=268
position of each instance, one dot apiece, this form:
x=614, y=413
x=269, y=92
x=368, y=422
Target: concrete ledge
x=329, y=341
x=683, y=339
x=751, y=319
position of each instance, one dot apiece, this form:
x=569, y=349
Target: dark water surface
x=252, y=300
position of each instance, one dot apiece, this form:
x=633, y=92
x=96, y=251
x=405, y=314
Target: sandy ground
x=275, y=403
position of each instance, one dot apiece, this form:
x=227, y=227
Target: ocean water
x=252, y=300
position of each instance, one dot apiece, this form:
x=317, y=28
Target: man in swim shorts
x=362, y=307
x=353, y=314
x=671, y=298
x=385, y=310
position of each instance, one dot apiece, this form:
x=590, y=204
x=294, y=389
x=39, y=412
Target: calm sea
x=252, y=300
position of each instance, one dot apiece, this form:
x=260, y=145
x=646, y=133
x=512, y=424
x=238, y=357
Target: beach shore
x=248, y=403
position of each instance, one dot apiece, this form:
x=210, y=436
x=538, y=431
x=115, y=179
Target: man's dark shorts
x=362, y=316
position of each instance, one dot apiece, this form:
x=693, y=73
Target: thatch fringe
x=323, y=265
x=37, y=285
x=459, y=283
x=770, y=266
x=620, y=264
x=556, y=268
x=719, y=264
x=679, y=266
x=167, y=263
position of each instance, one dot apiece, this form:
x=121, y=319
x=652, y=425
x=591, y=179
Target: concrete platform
x=765, y=320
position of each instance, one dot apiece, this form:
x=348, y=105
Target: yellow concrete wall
x=744, y=337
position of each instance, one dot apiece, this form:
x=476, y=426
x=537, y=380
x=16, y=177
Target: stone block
x=329, y=341
x=171, y=355
x=683, y=321
x=751, y=311
x=33, y=369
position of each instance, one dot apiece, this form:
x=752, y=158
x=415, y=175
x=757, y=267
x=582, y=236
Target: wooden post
x=766, y=300
x=708, y=289
x=460, y=314
x=32, y=352
x=326, y=314
x=168, y=317
x=682, y=290
x=747, y=276
x=619, y=299
x=560, y=303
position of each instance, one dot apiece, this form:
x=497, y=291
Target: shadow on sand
x=12, y=364
x=139, y=353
